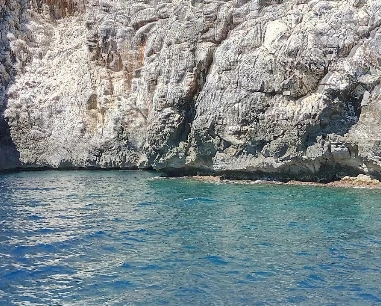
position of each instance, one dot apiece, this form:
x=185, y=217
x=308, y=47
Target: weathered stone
x=287, y=89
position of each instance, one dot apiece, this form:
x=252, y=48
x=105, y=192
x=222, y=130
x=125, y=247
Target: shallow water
x=128, y=238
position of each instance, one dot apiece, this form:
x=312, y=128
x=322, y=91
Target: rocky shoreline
x=361, y=181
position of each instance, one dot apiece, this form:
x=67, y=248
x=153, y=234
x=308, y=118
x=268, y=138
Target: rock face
x=286, y=89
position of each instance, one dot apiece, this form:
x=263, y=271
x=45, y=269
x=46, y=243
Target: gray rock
x=287, y=89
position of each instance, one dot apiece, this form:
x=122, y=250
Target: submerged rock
x=248, y=89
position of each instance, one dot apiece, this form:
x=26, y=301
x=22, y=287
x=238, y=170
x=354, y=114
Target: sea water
x=131, y=238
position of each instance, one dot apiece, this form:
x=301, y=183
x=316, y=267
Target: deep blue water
x=129, y=238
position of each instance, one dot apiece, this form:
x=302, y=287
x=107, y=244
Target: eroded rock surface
x=287, y=89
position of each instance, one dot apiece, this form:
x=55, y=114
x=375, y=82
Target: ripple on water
x=124, y=238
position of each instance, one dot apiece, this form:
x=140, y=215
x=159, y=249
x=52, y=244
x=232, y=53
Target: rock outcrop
x=286, y=89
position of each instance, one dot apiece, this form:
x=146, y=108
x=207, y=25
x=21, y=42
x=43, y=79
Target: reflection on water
x=129, y=238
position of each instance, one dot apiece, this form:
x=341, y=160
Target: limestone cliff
x=288, y=89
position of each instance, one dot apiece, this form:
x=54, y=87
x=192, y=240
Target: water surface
x=130, y=238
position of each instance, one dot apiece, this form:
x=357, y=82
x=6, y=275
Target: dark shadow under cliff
x=10, y=16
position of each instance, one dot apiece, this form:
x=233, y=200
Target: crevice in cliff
x=141, y=24
x=265, y=3
x=201, y=74
x=343, y=106
x=58, y=8
x=343, y=109
x=11, y=16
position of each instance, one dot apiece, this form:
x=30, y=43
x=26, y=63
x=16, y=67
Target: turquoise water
x=130, y=238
